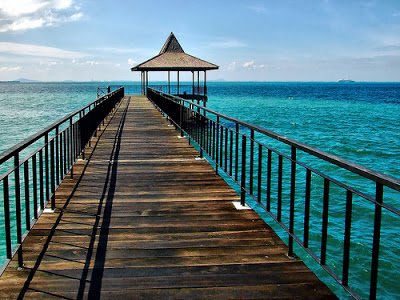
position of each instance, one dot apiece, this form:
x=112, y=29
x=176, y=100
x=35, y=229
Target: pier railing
x=32, y=170
x=316, y=197
x=173, y=89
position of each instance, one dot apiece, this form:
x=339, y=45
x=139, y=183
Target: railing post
x=57, y=156
x=376, y=240
x=243, y=177
x=216, y=146
x=325, y=215
x=18, y=209
x=307, y=208
x=7, y=220
x=292, y=199
x=237, y=152
x=269, y=173
x=41, y=179
x=181, y=119
x=279, y=200
x=347, y=237
x=52, y=177
x=251, y=160
x=27, y=200
x=259, y=173
x=46, y=165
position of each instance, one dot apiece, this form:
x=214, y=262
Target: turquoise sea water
x=357, y=121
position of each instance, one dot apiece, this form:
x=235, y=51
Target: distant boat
x=345, y=80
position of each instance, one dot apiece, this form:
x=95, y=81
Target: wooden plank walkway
x=144, y=218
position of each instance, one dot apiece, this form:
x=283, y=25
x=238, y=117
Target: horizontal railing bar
x=379, y=177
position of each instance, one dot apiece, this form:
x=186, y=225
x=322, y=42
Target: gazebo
x=173, y=58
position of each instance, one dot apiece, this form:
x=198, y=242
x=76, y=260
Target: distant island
x=345, y=80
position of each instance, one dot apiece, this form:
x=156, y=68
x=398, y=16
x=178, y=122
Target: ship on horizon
x=345, y=80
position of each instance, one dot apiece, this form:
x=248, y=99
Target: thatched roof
x=173, y=58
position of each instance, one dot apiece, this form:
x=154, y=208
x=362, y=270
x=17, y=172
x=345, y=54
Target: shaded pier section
x=145, y=218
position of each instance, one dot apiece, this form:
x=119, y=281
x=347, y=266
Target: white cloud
x=10, y=69
x=131, y=62
x=85, y=63
x=248, y=64
x=34, y=50
x=19, y=15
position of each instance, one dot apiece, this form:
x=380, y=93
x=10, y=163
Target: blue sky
x=271, y=40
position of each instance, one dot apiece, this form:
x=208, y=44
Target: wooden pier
x=144, y=218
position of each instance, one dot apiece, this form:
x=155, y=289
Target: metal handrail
x=233, y=148
x=45, y=167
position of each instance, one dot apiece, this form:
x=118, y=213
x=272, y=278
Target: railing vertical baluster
x=347, y=236
x=259, y=182
x=65, y=153
x=202, y=136
x=243, y=175
x=279, y=200
x=61, y=158
x=27, y=196
x=226, y=150
x=251, y=183
x=307, y=208
x=7, y=221
x=216, y=146
x=180, y=119
x=34, y=186
x=292, y=199
x=269, y=172
x=237, y=153
x=71, y=150
x=41, y=179
x=325, y=211
x=221, y=148
x=231, y=154
x=18, y=208
x=76, y=141
x=47, y=171
x=57, y=158
x=376, y=240
x=213, y=140
x=52, y=176
x=209, y=132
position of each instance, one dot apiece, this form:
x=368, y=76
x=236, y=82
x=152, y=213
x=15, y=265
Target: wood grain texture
x=144, y=218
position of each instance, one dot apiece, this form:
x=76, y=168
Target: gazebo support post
x=205, y=83
x=178, y=83
x=147, y=80
x=141, y=81
x=169, y=82
x=198, y=82
x=192, y=82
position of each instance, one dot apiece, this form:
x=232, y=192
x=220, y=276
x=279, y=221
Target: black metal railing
x=317, y=210
x=34, y=168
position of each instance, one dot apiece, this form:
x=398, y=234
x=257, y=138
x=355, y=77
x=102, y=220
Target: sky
x=270, y=40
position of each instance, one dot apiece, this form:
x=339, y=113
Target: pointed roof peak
x=171, y=45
